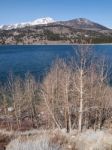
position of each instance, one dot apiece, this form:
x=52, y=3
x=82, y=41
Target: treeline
x=50, y=36
x=103, y=39
x=73, y=95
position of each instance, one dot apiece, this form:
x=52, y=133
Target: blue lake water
x=37, y=59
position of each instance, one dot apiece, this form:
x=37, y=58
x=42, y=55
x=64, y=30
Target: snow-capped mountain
x=78, y=23
x=40, y=21
x=69, y=31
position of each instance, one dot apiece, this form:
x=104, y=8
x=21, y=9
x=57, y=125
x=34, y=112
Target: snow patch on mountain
x=1, y=26
x=43, y=21
x=84, y=21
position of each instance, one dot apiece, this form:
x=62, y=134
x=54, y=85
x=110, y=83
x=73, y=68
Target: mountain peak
x=83, y=23
x=83, y=20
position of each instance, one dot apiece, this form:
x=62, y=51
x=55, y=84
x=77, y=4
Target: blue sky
x=14, y=11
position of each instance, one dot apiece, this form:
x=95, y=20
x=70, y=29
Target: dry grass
x=91, y=140
x=60, y=140
x=41, y=140
x=41, y=143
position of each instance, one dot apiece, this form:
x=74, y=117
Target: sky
x=16, y=11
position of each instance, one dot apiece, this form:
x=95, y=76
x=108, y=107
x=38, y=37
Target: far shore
x=36, y=44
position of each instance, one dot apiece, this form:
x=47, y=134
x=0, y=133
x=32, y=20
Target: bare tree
x=81, y=66
x=55, y=93
x=30, y=99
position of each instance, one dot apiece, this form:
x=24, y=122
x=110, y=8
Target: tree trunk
x=81, y=101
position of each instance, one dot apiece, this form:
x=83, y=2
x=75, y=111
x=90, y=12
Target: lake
x=37, y=59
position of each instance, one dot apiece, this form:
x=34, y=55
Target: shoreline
x=55, y=44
